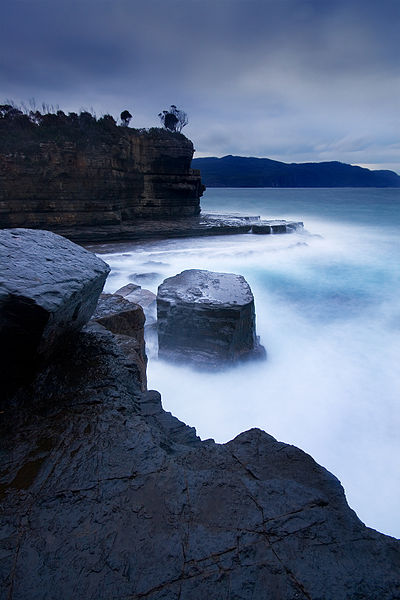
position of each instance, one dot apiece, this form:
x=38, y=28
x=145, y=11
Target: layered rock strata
x=94, y=190
x=207, y=319
x=49, y=288
x=203, y=225
x=104, y=495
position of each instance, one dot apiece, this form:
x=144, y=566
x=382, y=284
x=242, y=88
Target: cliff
x=79, y=183
x=240, y=171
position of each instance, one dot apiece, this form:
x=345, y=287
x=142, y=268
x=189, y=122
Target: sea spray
x=327, y=312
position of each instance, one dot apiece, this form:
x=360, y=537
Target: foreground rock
x=206, y=318
x=125, y=319
x=104, y=495
x=49, y=288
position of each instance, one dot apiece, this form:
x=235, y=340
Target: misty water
x=328, y=313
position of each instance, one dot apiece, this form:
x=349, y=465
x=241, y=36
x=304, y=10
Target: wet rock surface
x=196, y=226
x=125, y=319
x=147, y=300
x=207, y=318
x=49, y=288
x=104, y=496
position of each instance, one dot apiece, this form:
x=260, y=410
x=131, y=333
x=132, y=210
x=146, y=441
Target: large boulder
x=104, y=495
x=49, y=288
x=206, y=318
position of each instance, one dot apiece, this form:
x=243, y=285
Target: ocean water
x=328, y=312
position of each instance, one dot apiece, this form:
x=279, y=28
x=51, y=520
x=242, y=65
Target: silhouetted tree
x=125, y=117
x=173, y=119
x=181, y=116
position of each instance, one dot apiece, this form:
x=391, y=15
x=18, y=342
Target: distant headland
x=240, y=171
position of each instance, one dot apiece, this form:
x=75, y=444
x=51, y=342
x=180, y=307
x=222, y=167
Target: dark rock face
x=49, y=288
x=98, y=190
x=104, y=495
x=206, y=318
x=126, y=320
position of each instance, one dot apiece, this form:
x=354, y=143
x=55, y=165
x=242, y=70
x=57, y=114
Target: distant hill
x=240, y=171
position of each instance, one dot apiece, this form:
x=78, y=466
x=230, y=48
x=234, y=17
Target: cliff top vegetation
x=23, y=128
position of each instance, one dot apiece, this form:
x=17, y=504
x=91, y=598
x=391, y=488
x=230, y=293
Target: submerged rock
x=104, y=495
x=49, y=288
x=144, y=277
x=207, y=318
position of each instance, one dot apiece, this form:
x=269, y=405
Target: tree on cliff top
x=173, y=119
x=125, y=117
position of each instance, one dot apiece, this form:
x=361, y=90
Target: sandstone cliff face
x=71, y=187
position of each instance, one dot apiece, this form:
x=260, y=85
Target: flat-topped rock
x=207, y=287
x=49, y=289
x=206, y=318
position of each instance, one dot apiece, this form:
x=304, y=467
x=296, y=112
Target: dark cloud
x=296, y=79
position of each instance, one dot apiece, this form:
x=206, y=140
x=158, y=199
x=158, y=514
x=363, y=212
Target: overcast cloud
x=293, y=80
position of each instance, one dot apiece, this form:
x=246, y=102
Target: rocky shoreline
x=198, y=226
x=105, y=183
x=104, y=495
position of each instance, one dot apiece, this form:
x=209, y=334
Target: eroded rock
x=207, y=318
x=49, y=288
x=126, y=320
x=105, y=495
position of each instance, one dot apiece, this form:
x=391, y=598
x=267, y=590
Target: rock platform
x=202, y=225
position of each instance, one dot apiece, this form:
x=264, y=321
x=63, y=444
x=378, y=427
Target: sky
x=292, y=80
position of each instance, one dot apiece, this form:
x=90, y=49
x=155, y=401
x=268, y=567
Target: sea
x=328, y=313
